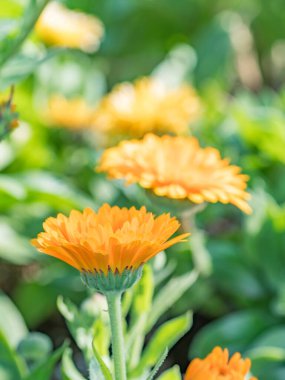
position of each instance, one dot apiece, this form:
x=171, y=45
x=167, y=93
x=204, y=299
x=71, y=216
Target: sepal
x=112, y=281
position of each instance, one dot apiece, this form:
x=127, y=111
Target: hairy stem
x=118, y=346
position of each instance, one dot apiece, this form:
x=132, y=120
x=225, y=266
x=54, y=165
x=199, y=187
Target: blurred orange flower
x=147, y=106
x=113, y=239
x=70, y=113
x=60, y=26
x=177, y=168
x=218, y=366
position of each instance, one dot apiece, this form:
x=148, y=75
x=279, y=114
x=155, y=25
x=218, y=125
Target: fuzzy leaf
x=12, y=324
x=158, y=365
x=44, y=370
x=169, y=295
x=166, y=336
x=98, y=366
x=9, y=362
x=68, y=369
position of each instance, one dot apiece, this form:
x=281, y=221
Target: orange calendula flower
x=218, y=366
x=60, y=26
x=113, y=239
x=70, y=113
x=147, y=106
x=177, y=168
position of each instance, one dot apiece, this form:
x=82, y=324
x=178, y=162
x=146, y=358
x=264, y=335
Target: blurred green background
x=233, y=53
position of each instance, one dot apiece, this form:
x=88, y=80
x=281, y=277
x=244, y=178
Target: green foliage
x=47, y=170
x=12, y=325
x=24, y=355
x=44, y=370
x=68, y=369
x=9, y=366
x=90, y=322
x=235, y=331
x=97, y=365
x=22, y=66
x=166, y=336
x=168, y=295
x=158, y=365
x=34, y=348
x=171, y=374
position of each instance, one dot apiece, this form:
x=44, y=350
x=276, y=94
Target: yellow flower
x=177, y=168
x=71, y=113
x=113, y=239
x=146, y=106
x=218, y=366
x=60, y=26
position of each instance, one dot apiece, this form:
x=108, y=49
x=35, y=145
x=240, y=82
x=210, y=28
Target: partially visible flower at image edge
x=147, y=105
x=73, y=113
x=219, y=366
x=60, y=26
x=112, y=239
x=177, y=168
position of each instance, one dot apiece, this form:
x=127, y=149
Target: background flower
x=63, y=27
x=70, y=113
x=147, y=105
x=177, y=168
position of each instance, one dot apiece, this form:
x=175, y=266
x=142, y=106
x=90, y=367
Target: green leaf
x=141, y=306
x=273, y=337
x=12, y=44
x=127, y=301
x=68, y=369
x=98, y=365
x=36, y=300
x=7, y=26
x=211, y=63
x=166, y=336
x=35, y=347
x=158, y=365
x=168, y=295
x=267, y=353
x=143, y=293
x=79, y=324
x=171, y=374
x=235, y=331
x=14, y=248
x=9, y=362
x=22, y=66
x=272, y=354
x=200, y=253
x=269, y=347
x=95, y=371
x=12, y=325
x=45, y=369
x=53, y=190
x=102, y=336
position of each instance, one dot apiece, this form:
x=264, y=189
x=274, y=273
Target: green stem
x=118, y=347
x=26, y=28
x=201, y=256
